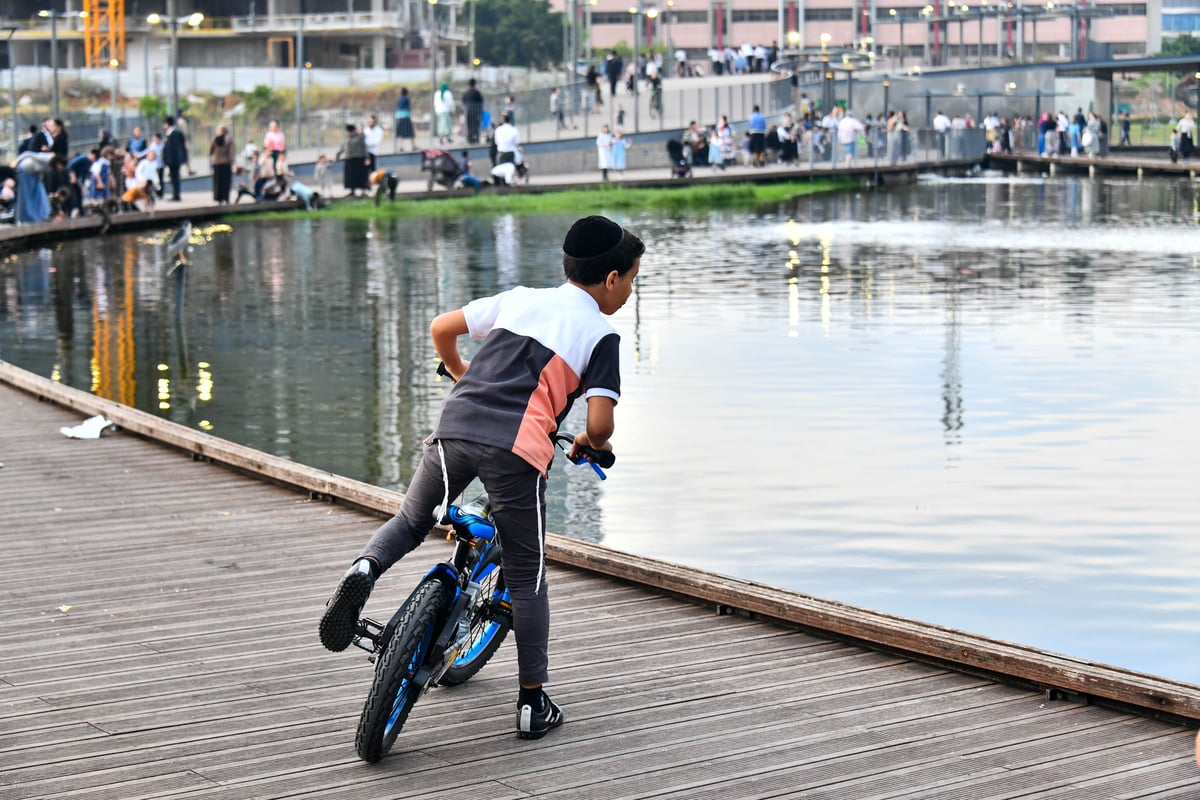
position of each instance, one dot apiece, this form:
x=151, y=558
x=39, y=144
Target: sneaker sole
x=340, y=620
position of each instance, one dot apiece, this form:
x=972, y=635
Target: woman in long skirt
x=443, y=109
x=404, y=125
x=354, y=151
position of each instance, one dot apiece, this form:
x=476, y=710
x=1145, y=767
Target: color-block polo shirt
x=542, y=349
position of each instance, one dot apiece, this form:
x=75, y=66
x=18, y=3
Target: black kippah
x=591, y=237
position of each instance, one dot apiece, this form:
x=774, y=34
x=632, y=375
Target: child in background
x=323, y=176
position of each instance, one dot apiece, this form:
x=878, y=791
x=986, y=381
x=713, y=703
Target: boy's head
x=603, y=258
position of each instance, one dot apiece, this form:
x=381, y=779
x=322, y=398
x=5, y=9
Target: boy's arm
x=600, y=424
x=445, y=330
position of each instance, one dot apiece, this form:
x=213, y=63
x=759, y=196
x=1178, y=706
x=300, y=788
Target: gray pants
x=518, y=495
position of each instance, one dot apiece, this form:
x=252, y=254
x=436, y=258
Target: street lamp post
x=192, y=21
x=927, y=13
x=671, y=39
x=53, y=15
x=637, y=19
x=471, y=34
x=899, y=19
x=587, y=25
x=172, y=12
x=980, y=45
x=433, y=87
x=114, y=66
x=827, y=76
x=300, y=82
x=11, y=30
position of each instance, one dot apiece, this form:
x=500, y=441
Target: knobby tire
x=393, y=692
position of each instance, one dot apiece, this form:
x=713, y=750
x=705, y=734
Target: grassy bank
x=612, y=197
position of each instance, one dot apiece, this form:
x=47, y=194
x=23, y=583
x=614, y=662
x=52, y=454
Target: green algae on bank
x=699, y=196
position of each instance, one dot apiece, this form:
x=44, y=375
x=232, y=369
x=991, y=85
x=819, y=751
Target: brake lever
x=597, y=460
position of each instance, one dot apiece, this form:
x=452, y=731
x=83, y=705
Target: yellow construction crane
x=104, y=32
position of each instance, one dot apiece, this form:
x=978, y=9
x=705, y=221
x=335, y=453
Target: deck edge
x=959, y=649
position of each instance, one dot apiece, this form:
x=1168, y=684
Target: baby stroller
x=442, y=167
x=681, y=166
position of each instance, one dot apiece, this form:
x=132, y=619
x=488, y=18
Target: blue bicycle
x=449, y=627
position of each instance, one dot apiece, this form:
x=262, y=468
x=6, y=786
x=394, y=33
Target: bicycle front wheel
x=394, y=690
x=489, y=619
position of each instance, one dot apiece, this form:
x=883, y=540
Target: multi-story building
x=903, y=33
x=1180, y=17
x=326, y=34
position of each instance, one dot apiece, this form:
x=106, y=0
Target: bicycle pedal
x=502, y=613
x=370, y=631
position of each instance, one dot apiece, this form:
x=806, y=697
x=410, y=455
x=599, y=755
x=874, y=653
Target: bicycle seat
x=474, y=520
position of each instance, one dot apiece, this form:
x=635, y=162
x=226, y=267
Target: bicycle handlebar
x=598, y=460
x=587, y=455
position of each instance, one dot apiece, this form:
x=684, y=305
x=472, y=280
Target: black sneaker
x=534, y=723
x=340, y=621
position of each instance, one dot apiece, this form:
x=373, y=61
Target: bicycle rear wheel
x=393, y=692
x=489, y=619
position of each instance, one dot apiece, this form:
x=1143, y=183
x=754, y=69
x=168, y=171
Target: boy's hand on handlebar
x=583, y=448
x=453, y=374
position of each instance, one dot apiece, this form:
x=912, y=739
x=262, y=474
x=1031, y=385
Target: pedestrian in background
x=373, y=134
x=323, y=176
x=404, y=126
x=556, y=109
x=274, y=143
x=620, y=146
x=604, y=151
x=221, y=155
x=473, y=106
x=443, y=109
x=354, y=151
x=1125, y=123
x=175, y=155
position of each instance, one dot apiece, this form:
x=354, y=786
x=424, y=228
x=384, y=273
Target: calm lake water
x=973, y=403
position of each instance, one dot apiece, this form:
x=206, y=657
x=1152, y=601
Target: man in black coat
x=613, y=67
x=174, y=154
x=473, y=102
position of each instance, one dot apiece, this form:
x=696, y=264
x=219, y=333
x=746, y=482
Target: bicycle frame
x=474, y=537
x=452, y=623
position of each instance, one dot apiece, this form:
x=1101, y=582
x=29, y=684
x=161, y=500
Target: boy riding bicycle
x=542, y=348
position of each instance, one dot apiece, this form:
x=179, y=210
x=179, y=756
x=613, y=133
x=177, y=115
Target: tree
x=518, y=33
x=261, y=103
x=1182, y=45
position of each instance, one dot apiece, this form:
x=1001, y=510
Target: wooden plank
x=215, y=673
x=965, y=650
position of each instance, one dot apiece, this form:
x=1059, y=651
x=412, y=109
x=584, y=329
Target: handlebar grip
x=603, y=458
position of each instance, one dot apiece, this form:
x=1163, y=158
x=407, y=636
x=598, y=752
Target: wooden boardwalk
x=158, y=615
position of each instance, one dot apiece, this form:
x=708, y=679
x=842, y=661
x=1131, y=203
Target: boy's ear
x=610, y=280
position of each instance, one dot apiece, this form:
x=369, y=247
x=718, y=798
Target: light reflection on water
x=971, y=403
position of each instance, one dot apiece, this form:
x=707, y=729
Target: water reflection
x=966, y=402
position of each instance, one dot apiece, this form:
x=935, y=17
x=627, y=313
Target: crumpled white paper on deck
x=92, y=428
